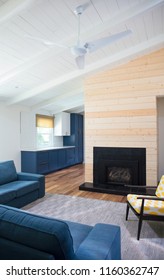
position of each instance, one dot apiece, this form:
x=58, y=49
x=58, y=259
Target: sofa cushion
x=6, y=194
x=38, y=232
x=7, y=172
x=16, y=189
x=22, y=187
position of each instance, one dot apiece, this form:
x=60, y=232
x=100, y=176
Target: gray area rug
x=92, y=211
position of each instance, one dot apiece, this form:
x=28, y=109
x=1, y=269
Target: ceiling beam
x=78, y=110
x=11, y=8
x=68, y=107
x=98, y=29
x=58, y=98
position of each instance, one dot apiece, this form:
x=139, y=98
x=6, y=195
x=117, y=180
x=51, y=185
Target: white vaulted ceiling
x=46, y=77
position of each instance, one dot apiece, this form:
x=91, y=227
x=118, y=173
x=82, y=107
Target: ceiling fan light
x=78, y=51
x=79, y=10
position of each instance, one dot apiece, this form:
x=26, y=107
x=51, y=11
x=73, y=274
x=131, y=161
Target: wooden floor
x=67, y=182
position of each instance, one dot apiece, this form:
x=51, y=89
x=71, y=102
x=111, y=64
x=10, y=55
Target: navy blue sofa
x=25, y=236
x=18, y=188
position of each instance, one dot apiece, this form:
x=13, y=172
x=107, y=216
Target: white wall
x=28, y=131
x=160, y=107
x=10, y=134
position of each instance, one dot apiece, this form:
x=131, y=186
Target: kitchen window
x=45, y=131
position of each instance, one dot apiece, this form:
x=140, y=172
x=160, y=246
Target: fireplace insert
x=117, y=170
x=119, y=165
x=118, y=175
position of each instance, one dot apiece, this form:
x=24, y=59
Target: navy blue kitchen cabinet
x=70, y=156
x=62, y=158
x=53, y=160
x=76, y=137
x=34, y=162
x=29, y=162
x=44, y=162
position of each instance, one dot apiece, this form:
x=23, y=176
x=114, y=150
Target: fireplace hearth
x=118, y=170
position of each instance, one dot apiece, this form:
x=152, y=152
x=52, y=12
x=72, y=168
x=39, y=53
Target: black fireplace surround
x=118, y=170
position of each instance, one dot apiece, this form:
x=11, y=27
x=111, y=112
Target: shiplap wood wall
x=121, y=110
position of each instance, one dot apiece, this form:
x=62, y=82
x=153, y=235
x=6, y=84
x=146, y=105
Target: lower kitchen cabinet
x=62, y=158
x=53, y=160
x=44, y=162
x=70, y=156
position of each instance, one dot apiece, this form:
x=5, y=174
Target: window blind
x=44, y=121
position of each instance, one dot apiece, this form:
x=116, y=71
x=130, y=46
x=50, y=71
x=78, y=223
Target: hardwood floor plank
x=67, y=182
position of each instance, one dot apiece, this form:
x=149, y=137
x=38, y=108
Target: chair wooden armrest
x=151, y=198
x=142, y=187
x=145, y=190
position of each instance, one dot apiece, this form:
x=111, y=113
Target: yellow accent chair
x=147, y=207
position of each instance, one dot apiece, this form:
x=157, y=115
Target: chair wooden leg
x=140, y=219
x=127, y=211
x=139, y=227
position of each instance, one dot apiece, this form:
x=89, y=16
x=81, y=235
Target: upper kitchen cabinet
x=62, y=124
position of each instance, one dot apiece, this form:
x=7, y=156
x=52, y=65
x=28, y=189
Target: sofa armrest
x=23, y=176
x=102, y=243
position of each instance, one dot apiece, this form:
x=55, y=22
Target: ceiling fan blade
x=45, y=42
x=80, y=61
x=100, y=43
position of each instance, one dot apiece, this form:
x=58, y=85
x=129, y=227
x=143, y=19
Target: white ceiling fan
x=79, y=50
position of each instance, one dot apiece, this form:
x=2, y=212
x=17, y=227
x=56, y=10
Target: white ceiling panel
x=42, y=76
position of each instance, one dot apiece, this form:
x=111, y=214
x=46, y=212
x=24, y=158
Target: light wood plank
x=121, y=110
